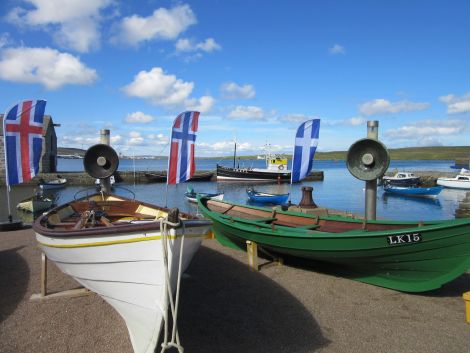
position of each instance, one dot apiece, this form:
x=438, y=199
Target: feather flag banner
x=306, y=141
x=181, y=163
x=23, y=136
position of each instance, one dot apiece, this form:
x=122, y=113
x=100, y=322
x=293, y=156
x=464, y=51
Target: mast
x=234, y=154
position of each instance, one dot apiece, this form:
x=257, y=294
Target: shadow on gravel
x=225, y=307
x=454, y=288
x=14, y=277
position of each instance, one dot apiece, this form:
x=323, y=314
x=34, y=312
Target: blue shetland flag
x=306, y=141
x=181, y=164
x=22, y=129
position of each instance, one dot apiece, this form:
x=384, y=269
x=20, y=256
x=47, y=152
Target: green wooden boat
x=405, y=256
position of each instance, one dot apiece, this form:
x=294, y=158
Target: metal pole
x=371, y=185
x=105, y=139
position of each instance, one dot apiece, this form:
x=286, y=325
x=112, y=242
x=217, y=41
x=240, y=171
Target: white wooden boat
x=114, y=247
x=460, y=181
x=53, y=184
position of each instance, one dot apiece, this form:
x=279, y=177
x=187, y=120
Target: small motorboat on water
x=264, y=197
x=460, y=181
x=192, y=195
x=413, y=191
x=36, y=203
x=402, y=179
x=117, y=248
x=52, y=184
x=409, y=256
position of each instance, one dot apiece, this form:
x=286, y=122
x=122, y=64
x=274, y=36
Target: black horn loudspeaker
x=100, y=161
x=367, y=159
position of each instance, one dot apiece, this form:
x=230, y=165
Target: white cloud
x=135, y=139
x=294, y=118
x=203, y=104
x=231, y=90
x=383, y=106
x=164, y=23
x=139, y=117
x=224, y=147
x=158, y=139
x=354, y=121
x=75, y=24
x=4, y=39
x=186, y=45
x=45, y=66
x=456, y=104
x=427, y=129
x=166, y=91
x=247, y=112
x=337, y=49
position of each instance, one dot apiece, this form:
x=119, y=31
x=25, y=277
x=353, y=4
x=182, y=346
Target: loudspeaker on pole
x=367, y=159
x=100, y=161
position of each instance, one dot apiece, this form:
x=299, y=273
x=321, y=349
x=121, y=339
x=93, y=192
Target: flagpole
x=7, y=184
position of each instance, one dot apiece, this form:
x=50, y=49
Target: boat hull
x=417, y=191
x=225, y=173
x=127, y=271
x=410, y=259
x=453, y=184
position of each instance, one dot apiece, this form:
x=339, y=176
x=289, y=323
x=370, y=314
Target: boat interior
x=104, y=211
x=272, y=219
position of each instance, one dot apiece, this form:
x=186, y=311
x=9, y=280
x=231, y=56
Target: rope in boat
x=175, y=339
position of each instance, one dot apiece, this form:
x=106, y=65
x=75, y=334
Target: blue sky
x=254, y=69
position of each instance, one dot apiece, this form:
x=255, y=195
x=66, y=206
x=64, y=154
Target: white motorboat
x=460, y=181
x=124, y=250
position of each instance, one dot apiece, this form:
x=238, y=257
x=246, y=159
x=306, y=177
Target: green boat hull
x=441, y=254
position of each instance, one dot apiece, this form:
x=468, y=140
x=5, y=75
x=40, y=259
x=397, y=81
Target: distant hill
x=411, y=153
x=65, y=151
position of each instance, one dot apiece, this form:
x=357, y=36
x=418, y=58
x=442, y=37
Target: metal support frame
x=371, y=185
x=252, y=249
x=77, y=292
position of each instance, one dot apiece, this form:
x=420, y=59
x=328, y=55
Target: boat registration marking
x=404, y=238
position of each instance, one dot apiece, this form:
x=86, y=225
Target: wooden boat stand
x=77, y=292
x=252, y=252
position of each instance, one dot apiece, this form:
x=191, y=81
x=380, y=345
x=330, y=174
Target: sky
x=254, y=69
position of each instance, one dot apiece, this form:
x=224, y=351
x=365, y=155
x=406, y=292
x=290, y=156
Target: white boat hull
x=127, y=271
x=453, y=183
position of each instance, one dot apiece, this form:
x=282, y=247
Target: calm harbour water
x=339, y=190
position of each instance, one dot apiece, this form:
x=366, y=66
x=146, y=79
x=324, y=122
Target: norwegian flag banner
x=22, y=129
x=306, y=141
x=181, y=165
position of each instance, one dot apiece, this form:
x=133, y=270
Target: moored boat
x=36, y=203
x=413, y=191
x=160, y=177
x=264, y=197
x=192, y=195
x=402, y=179
x=405, y=256
x=460, y=181
x=52, y=184
x=117, y=248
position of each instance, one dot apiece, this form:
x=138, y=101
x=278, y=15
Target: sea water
x=339, y=189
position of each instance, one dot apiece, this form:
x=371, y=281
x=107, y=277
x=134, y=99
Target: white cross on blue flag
x=306, y=141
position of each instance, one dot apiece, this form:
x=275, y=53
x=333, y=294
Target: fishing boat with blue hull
x=264, y=197
x=402, y=179
x=414, y=191
x=405, y=256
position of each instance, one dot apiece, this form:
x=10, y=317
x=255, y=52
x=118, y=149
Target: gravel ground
x=225, y=307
